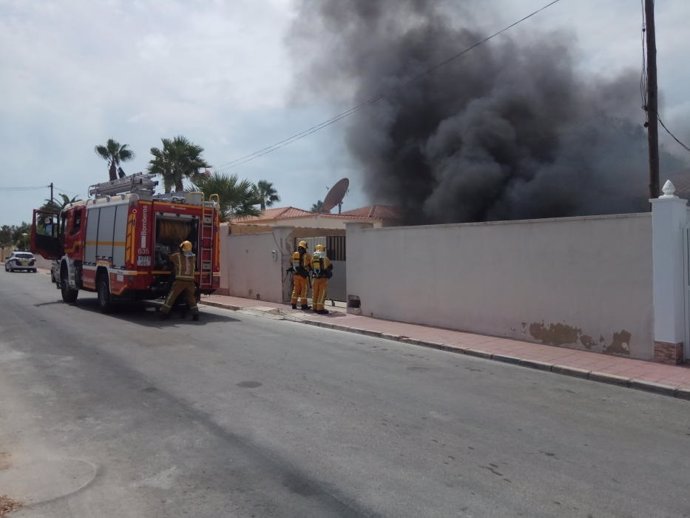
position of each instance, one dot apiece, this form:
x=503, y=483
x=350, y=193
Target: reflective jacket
x=184, y=266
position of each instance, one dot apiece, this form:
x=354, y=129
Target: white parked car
x=20, y=261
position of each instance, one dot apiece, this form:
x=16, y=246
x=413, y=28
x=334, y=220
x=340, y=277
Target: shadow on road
x=41, y=304
x=146, y=313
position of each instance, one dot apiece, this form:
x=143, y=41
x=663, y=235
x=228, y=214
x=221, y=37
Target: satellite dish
x=335, y=195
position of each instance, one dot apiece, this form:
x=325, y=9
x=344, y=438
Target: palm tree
x=177, y=160
x=5, y=235
x=10, y=234
x=20, y=236
x=317, y=207
x=114, y=153
x=237, y=198
x=265, y=194
x=57, y=206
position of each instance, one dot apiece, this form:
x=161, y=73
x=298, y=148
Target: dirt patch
x=620, y=343
x=7, y=505
x=555, y=334
x=4, y=460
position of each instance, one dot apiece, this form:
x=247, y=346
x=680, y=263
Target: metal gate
x=337, y=250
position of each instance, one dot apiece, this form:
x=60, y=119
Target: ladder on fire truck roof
x=206, y=242
x=143, y=183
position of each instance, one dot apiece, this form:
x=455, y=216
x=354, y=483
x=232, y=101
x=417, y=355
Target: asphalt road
x=246, y=415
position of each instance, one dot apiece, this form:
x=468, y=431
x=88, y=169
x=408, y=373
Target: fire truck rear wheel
x=69, y=295
x=104, y=298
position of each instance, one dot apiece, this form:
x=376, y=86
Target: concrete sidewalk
x=668, y=380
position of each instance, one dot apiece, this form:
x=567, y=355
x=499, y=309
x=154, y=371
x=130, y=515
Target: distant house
x=272, y=236
x=377, y=215
x=387, y=214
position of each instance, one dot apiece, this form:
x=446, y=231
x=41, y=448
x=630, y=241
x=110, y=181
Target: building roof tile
x=284, y=213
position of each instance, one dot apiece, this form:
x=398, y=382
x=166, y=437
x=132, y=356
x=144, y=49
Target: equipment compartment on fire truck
x=117, y=243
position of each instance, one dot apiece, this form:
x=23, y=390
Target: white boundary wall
x=582, y=282
x=253, y=265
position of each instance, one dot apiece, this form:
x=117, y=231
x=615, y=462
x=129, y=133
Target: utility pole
x=652, y=101
x=51, y=194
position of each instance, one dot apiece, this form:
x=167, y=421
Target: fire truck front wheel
x=104, y=298
x=69, y=295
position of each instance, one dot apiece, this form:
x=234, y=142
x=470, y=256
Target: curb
x=682, y=393
x=600, y=377
x=219, y=305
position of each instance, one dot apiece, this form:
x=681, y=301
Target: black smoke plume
x=507, y=131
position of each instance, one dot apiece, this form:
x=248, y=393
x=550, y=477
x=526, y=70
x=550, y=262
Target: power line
x=669, y=132
x=373, y=100
x=39, y=188
x=24, y=188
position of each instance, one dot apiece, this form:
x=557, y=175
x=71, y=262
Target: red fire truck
x=117, y=242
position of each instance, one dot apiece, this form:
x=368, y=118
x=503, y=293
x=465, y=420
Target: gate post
x=669, y=219
x=282, y=254
x=357, y=263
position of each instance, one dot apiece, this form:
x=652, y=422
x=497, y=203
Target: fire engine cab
x=117, y=242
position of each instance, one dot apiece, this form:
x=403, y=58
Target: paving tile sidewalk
x=669, y=380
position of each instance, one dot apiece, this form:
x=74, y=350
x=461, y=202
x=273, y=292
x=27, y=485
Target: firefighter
x=322, y=270
x=301, y=268
x=184, y=263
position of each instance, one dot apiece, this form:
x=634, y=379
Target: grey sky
x=74, y=73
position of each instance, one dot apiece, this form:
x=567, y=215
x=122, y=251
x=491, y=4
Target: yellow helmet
x=302, y=244
x=186, y=246
x=319, y=248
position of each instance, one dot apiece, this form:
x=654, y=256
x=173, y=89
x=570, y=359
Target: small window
x=47, y=227
x=76, y=223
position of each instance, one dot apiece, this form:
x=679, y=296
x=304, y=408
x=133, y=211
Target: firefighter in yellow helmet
x=184, y=263
x=300, y=268
x=322, y=270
